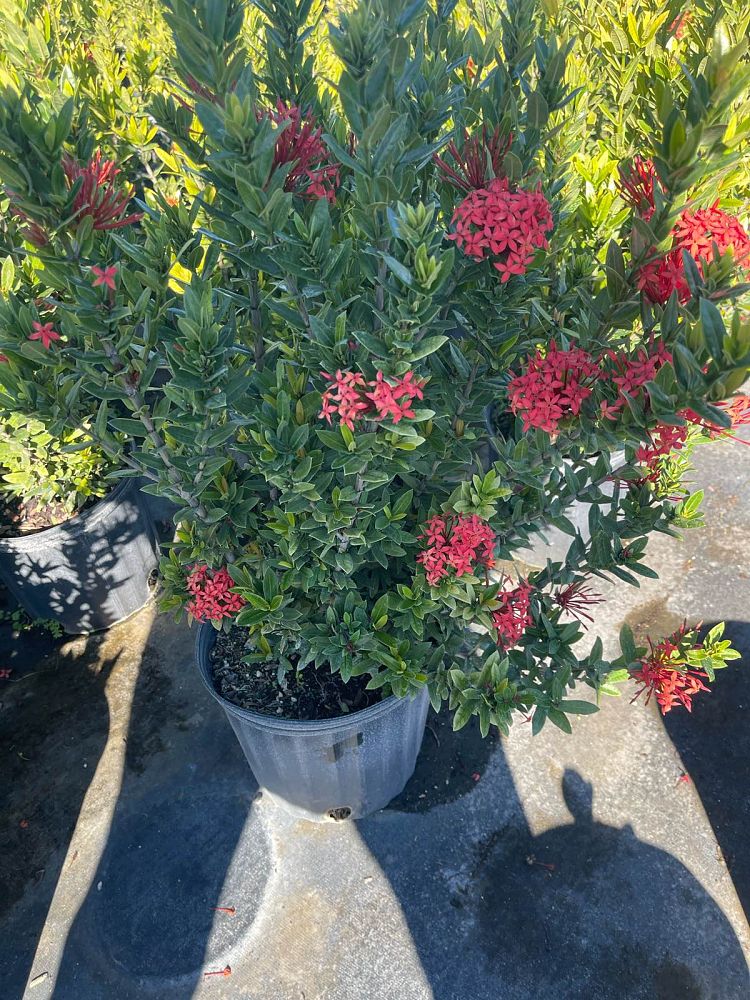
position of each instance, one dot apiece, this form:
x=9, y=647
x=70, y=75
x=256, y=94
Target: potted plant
x=305, y=404
x=72, y=550
x=78, y=546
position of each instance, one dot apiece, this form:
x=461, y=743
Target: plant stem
x=141, y=410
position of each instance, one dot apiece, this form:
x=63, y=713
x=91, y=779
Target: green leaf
x=560, y=720
x=627, y=644
x=537, y=110
x=427, y=346
x=380, y=608
x=403, y=504
x=713, y=329
x=332, y=439
x=402, y=273
x=7, y=275
x=579, y=707
x=462, y=715
x=248, y=617
x=133, y=428
x=270, y=586
x=538, y=720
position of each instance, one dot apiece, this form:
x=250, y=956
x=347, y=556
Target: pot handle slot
x=337, y=750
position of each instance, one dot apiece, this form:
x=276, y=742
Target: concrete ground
x=609, y=865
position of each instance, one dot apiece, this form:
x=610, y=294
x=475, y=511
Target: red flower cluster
x=460, y=542
x=552, y=387
x=212, y=597
x=658, y=675
x=513, y=616
x=664, y=275
x=630, y=374
x=506, y=226
x=349, y=399
x=98, y=195
x=301, y=147
x=477, y=154
x=738, y=410
x=665, y=438
x=696, y=232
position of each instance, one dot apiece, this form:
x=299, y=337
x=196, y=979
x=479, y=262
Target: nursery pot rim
x=203, y=645
x=74, y=525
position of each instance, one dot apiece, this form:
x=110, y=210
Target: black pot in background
x=91, y=571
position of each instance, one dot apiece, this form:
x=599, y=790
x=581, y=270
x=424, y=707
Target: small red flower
x=105, y=276
x=212, y=597
x=575, y=597
x=665, y=438
x=637, y=186
x=478, y=161
x=395, y=400
x=552, y=387
x=631, y=372
x=45, y=333
x=663, y=673
x=503, y=225
x=460, y=542
x=737, y=409
x=680, y=23
x=31, y=231
x=513, y=616
x=348, y=398
x=3, y=359
x=661, y=277
x=97, y=195
x=301, y=148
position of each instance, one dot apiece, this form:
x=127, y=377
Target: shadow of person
x=714, y=744
x=595, y=912
x=582, y=910
x=54, y=722
x=184, y=839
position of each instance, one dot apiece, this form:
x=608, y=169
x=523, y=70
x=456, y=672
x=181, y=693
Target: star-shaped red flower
x=105, y=276
x=45, y=333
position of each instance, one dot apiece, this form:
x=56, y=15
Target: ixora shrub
x=368, y=269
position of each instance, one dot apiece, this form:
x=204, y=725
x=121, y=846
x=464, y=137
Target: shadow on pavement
x=714, y=744
x=183, y=840
x=54, y=723
x=582, y=910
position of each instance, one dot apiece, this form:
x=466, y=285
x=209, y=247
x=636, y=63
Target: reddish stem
x=226, y=971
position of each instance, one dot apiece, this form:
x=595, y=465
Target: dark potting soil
x=21, y=517
x=311, y=694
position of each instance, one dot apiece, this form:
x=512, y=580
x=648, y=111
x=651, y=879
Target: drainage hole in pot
x=343, y=812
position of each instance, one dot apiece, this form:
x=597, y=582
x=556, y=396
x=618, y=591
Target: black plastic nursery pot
x=90, y=572
x=335, y=769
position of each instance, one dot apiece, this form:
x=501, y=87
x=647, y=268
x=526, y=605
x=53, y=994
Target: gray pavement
x=608, y=865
